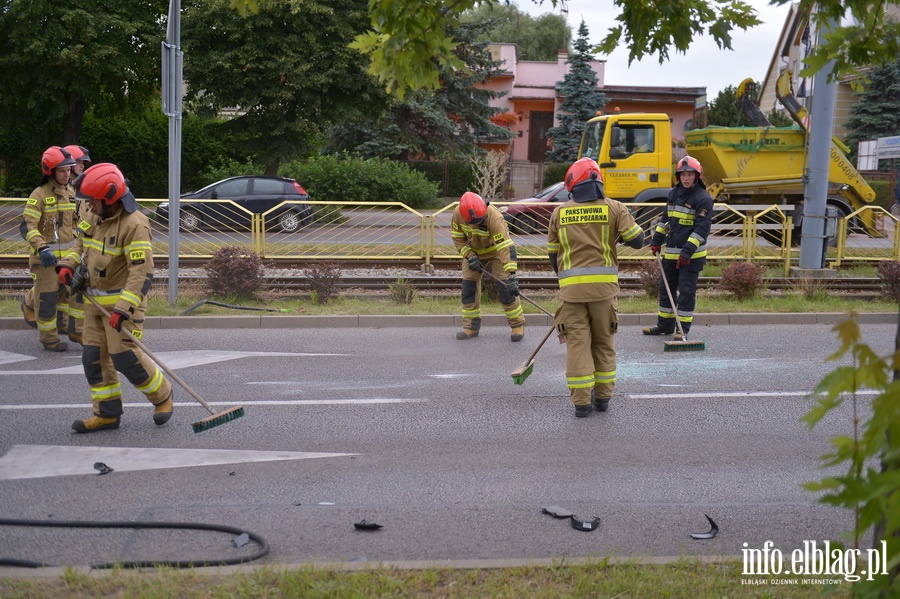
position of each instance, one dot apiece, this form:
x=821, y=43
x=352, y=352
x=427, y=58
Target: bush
x=402, y=291
x=649, y=277
x=743, y=279
x=354, y=179
x=554, y=173
x=889, y=273
x=234, y=271
x=323, y=279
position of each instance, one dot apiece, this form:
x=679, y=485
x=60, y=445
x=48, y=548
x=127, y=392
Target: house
x=531, y=95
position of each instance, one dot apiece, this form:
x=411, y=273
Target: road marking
x=42, y=461
x=174, y=360
x=265, y=402
x=732, y=394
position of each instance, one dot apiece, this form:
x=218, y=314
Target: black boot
x=657, y=330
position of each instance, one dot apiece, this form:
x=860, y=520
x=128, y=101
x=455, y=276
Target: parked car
x=532, y=215
x=254, y=193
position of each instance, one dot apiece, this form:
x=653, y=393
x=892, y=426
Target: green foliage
x=354, y=179
x=724, y=110
x=883, y=193
x=743, y=279
x=581, y=101
x=447, y=122
x=234, y=271
x=536, y=38
x=889, y=273
x=872, y=493
x=286, y=66
x=875, y=114
x=555, y=172
x=402, y=291
x=323, y=279
x=779, y=118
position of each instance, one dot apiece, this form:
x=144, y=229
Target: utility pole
x=172, y=78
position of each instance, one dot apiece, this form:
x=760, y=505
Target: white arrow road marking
x=261, y=402
x=174, y=360
x=41, y=461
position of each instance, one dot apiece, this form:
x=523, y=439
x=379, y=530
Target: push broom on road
x=216, y=418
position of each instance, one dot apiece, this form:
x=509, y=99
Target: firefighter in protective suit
x=684, y=227
x=113, y=263
x=48, y=225
x=481, y=237
x=581, y=244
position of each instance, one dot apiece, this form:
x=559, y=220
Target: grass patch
x=596, y=578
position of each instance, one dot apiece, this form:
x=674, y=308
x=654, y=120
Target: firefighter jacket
x=582, y=244
x=488, y=240
x=49, y=218
x=686, y=223
x=118, y=257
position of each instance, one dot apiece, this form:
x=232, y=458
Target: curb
x=447, y=320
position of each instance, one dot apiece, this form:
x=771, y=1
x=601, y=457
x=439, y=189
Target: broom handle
x=522, y=295
x=153, y=357
x=662, y=274
x=541, y=344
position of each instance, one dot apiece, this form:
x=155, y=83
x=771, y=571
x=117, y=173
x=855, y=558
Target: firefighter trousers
x=56, y=310
x=683, y=284
x=471, y=295
x=108, y=352
x=589, y=329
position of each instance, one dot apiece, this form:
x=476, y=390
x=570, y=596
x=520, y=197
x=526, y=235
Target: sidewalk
x=271, y=321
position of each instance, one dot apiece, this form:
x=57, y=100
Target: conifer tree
x=581, y=101
x=876, y=114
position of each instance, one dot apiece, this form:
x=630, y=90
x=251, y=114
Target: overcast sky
x=704, y=65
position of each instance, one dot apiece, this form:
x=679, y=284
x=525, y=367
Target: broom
x=522, y=295
x=524, y=371
x=207, y=423
x=684, y=344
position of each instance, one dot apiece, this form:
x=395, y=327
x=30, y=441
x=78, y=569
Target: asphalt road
x=433, y=441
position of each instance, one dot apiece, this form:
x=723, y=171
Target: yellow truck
x=753, y=166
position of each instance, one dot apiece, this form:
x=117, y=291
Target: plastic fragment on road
x=241, y=540
x=586, y=525
x=366, y=525
x=557, y=512
x=103, y=468
x=713, y=531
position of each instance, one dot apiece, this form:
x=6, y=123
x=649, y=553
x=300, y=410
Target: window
x=268, y=187
x=232, y=189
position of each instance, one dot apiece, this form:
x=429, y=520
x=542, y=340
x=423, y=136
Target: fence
x=391, y=231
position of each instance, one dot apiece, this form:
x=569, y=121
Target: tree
x=286, y=68
x=581, y=101
x=59, y=60
x=536, y=38
x=446, y=123
x=724, y=111
x=406, y=44
x=876, y=114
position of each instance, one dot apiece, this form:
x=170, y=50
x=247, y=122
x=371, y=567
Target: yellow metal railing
x=380, y=231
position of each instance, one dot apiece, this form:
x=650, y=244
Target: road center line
x=732, y=394
x=276, y=402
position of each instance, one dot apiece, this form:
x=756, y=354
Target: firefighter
x=684, y=227
x=481, y=237
x=81, y=157
x=581, y=244
x=113, y=263
x=48, y=225
x=82, y=221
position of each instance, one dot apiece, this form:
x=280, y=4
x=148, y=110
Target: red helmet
x=78, y=153
x=105, y=182
x=583, y=170
x=472, y=208
x=689, y=163
x=53, y=158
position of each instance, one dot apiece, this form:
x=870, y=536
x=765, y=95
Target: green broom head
x=520, y=374
x=684, y=346
x=216, y=419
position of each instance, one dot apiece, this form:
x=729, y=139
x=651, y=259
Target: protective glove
x=47, y=257
x=512, y=285
x=475, y=263
x=79, y=279
x=682, y=261
x=117, y=318
x=65, y=274
x=654, y=249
